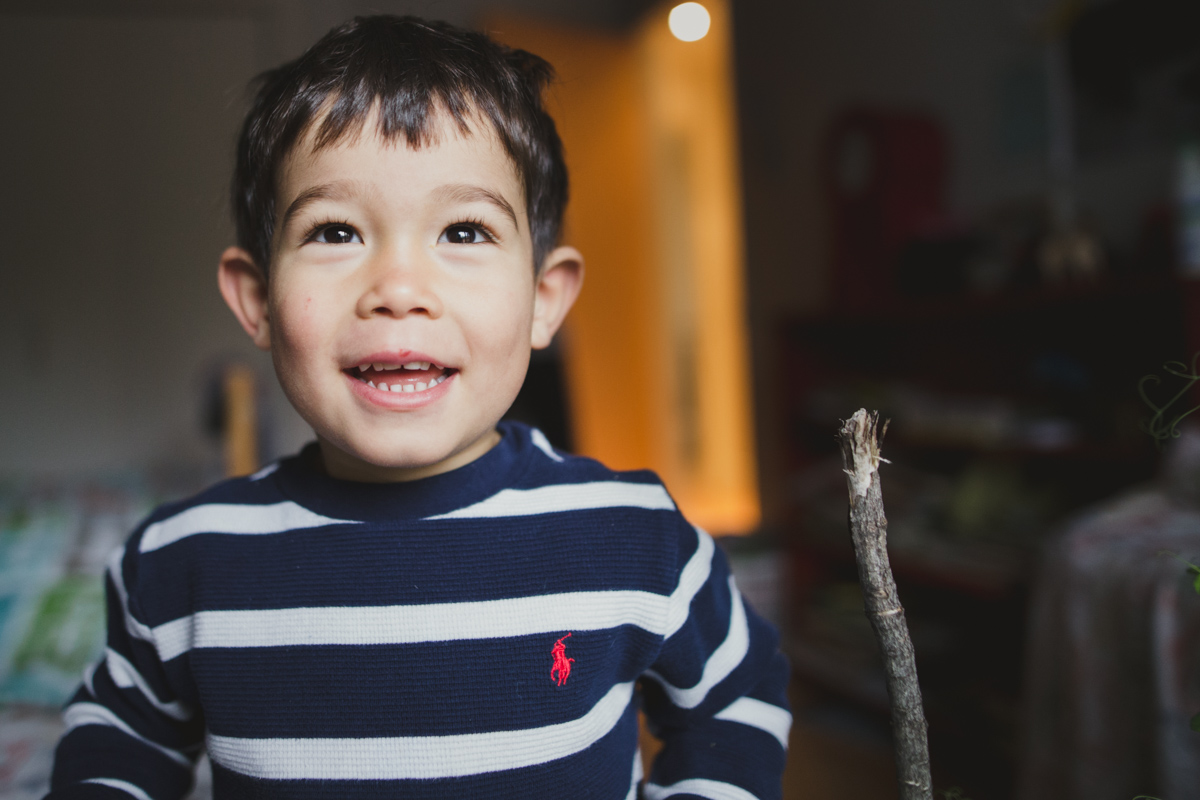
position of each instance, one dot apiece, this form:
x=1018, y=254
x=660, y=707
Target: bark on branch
x=868, y=529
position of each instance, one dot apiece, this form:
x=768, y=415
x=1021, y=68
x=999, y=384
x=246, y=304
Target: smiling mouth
x=410, y=376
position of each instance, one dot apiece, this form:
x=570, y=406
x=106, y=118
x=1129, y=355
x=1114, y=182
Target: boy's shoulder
x=569, y=478
x=230, y=496
x=553, y=465
x=241, y=490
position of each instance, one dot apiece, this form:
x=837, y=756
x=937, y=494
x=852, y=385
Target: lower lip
x=400, y=401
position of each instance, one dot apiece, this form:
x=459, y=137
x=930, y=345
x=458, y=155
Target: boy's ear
x=245, y=291
x=558, y=285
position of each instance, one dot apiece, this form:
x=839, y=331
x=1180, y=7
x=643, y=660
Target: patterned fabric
x=488, y=632
x=1114, y=657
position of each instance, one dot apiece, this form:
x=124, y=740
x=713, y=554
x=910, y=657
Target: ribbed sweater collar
x=301, y=479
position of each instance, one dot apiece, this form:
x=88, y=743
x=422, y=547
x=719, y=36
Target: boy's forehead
x=440, y=129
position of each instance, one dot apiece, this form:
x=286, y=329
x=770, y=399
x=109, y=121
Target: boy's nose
x=400, y=286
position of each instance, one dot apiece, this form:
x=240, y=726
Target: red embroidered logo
x=562, y=664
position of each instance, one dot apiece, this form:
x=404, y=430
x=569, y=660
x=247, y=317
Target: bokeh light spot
x=689, y=21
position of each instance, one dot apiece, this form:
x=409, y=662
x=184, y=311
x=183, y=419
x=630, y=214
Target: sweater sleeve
x=128, y=734
x=717, y=693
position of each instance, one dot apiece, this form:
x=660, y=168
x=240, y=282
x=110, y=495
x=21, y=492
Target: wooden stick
x=868, y=530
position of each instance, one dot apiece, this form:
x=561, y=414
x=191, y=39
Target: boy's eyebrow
x=457, y=192
x=325, y=191
x=466, y=193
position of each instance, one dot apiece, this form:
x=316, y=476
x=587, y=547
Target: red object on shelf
x=884, y=177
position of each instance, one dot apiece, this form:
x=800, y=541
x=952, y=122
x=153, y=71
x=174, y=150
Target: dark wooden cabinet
x=1009, y=413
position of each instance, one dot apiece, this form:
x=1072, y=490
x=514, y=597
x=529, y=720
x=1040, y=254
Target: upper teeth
x=379, y=365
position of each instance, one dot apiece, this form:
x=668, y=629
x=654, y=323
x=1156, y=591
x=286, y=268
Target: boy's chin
x=373, y=464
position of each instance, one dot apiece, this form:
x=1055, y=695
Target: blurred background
x=982, y=219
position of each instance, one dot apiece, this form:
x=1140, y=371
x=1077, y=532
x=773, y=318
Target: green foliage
x=1192, y=570
x=1164, y=424
x=955, y=793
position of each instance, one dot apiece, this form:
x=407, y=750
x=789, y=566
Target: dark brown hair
x=411, y=70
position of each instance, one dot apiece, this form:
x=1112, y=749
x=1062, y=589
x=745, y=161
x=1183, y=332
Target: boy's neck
x=341, y=465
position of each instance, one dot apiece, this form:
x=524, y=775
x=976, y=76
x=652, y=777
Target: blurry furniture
x=55, y=538
x=1010, y=412
x=1114, y=649
x=884, y=180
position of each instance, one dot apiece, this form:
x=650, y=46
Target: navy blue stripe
x=87, y=791
x=763, y=666
x=773, y=688
x=431, y=562
x=745, y=757
x=431, y=689
x=100, y=751
x=602, y=772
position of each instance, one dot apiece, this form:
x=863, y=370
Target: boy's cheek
x=295, y=335
x=293, y=315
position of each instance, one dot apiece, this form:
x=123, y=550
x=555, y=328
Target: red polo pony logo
x=562, y=664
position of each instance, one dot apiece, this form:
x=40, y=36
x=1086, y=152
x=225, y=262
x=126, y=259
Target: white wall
x=114, y=160
x=116, y=145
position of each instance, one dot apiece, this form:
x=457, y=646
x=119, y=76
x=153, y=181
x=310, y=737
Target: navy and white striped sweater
x=489, y=632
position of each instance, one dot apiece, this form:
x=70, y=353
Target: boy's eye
x=336, y=234
x=464, y=233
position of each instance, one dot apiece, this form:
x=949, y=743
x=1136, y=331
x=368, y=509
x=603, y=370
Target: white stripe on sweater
x=757, y=714
x=89, y=673
x=692, y=578
x=723, y=661
x=124, y=786
x=542, y=443
x=701, y=787
x=441, y=622
x=264, y=472
x=79, y=714
x=637, y=775
x=566, y=497
x=410, y=624
x=418, y=757
x=232, y=518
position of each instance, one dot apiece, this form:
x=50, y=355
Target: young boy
x=426, y=602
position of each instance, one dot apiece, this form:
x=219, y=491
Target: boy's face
x=411, y=270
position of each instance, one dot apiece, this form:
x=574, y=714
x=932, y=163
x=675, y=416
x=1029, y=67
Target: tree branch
x=868, y=530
